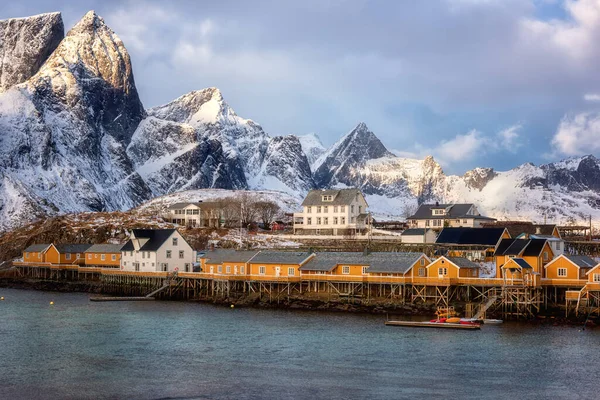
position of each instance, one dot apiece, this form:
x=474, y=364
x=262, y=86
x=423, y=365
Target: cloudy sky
x=473, y=82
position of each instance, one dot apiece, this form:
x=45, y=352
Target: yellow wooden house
x=278, y=266
x=448, y=270
x=535, y=252
x=226, y=263
x=66, y=254
x=567, y=268
x=103, y=255
x=36, y=253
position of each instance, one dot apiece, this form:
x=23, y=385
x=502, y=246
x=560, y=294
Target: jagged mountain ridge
x=74, y=136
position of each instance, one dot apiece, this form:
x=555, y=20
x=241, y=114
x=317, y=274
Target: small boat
x=453, y=320
x=492, y=321
x=429, y=324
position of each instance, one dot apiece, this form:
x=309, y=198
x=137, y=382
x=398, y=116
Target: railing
x=592, y=286
x=424, y=280
x=563, y=282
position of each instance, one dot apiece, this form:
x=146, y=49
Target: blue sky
x=492, y=83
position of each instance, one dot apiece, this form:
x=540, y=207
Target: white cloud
x=578, y=135
x=592, y=97
x=508, y=139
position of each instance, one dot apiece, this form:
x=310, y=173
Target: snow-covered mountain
x=64, y=130
x=74, y=137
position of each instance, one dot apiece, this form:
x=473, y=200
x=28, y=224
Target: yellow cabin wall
x=562, y=262
x=52, y=255
x=270, y=269
x=414, y=271
x=96, y=259
x=33, y=256
x=355, y=270
x=432, y=269
x=590, y=275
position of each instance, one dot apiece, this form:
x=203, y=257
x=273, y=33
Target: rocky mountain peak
x=197, y=107
x=25, y=44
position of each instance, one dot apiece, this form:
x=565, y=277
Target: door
x=235, y=269
x=277, y=271
x=212, y=269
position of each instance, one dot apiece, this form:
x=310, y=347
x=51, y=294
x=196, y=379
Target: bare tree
x=409, y=211
x=248, y=211
x=267, y=210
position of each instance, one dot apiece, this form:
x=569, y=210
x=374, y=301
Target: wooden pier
x=440, y=325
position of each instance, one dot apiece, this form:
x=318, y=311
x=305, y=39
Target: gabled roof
x=105, y=248
x=179, y=206
x=156, y=238
x=470, y=236
x=72, y=248
x=453, y=211
x=462, y=262
x=578, y=261
x=520, y=247
x=340, y=197
x=220, y=256
x=522, y=263
x=281, y=257
x=378, y=262
x=36, y=248
x=516, y=228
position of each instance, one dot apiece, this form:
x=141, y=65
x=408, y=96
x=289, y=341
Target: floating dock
x=427, y=324
x=122, y=298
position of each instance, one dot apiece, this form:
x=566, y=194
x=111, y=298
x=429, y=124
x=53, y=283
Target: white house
x=418, y=235
x=150, y=250
x=437, y=216
x=201, y=214
x=332, y=212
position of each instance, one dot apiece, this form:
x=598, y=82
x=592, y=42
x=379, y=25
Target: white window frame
x=174, y=241
x=364, y=270
x=68, y=256
x=242, y=269
x=181, y=254
x=113, y=257
x=103, y=257
x=89, y=256
x=422, y=262
x=228, y=269
x=561, y=272
x=545, y=256
x=291, y=271
x=443, y=271
x=596, y=278
x=346, y=269
x=262, y=270
x=219, y=269
x=422, y=272
x=168, y=254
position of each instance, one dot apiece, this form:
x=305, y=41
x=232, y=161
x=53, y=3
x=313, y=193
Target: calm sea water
x=77, y=349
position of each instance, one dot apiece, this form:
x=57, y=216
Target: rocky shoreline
x=549, y=317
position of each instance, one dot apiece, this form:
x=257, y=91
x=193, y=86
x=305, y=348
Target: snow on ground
x=487, y=269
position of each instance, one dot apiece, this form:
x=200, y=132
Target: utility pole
x=590, y=227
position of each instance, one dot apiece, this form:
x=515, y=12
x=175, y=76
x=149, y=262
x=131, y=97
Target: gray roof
x=72, y=248
x=463, y=262
x=220, y=256
x=156, y=237
x=582, y=261
x=340, y=197
x=415, y=232
x=178, y=206
x=378, y=262
x=280, y=257
x=105, y=248
x=36, y=248
x=454, y=211
x=522, y=263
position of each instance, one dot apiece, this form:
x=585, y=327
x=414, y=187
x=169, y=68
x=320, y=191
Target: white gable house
x=151, y=250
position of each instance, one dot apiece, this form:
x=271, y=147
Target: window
x=181, y=254
x=335, y=220
x=113, y=257
x=318, y=220
x=422, y=261
x=168, y=253
x=421, y=271
x=364, y=270
x=131, y=254
x=345, y=269
x=153, y=264
x=308, y=210
x=174, y=241
x=95, y=255
x=143, y=264
x=353, y=219
x=562, y=272
x=137, y=266
x=325, y=220
x=228, y=269
x=335, y=209
x=343, y=208
x=68, y=256
x=596, y=277
x=89, y=256
x=464, y=221
x=188, y=212
x=187, y=267
x=359, y=209
x=545, y=256
x=165, y=267
x=143, y=254
x=427, y=222
x=343, y=220
x=443, y=271
x=318, y=209
x=103, y=257
x=262, y=270
x=308, y=221
x=26, y=255
x=124, y=263
x=352, y=208
x=325, y=209
x=474, y=272
x=220, y=269
x=291, y=271
x=327, y=197
x=242, y=270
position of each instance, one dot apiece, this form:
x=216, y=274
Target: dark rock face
x=285, y=160
x=479, y=177
x=352, y=151
x=25, y=44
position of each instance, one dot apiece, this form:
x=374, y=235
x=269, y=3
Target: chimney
x=212, y=247
x=437, y=203
x=538, y=230
x=366, y=251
